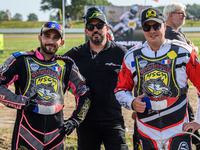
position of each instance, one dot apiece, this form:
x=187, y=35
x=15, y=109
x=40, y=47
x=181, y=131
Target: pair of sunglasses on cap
x=99, y=26
x=52, y=25
x=147, y=28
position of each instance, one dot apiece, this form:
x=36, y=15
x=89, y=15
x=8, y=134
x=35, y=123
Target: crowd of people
x=151, y=80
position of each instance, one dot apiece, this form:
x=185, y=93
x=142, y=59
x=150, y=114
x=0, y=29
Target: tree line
x=192, y=11
x=6, y=15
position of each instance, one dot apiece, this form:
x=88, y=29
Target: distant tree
x=17, y=17
x=32, y=17
x=193, y=10
x=3, y=16
x=52, y=17
x=76, y=10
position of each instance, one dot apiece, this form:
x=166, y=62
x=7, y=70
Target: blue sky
x=25, y=7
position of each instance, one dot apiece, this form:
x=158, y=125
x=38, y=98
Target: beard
x=183, y=22
x=179, y=23
x=96, y=40
x=50, y=50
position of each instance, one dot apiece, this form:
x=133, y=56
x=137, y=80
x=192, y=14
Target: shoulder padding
x=182, y=44
x=132, y=49
x=65, y=58
x=135, y=48
x=23, y=53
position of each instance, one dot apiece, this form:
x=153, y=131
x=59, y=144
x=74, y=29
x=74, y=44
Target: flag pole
x=63, y=8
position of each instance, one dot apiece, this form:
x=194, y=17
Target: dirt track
x=7, y=116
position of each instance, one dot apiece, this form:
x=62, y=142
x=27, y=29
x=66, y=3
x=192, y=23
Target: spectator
x=174, y=15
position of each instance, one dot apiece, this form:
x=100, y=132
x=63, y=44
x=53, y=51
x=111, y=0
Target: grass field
x=75, y=24
x=12, y=45
x=35, y=24
x=26, y=44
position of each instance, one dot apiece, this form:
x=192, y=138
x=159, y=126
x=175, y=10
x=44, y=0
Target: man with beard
x=99, y=61
x=174, y=15
x=41, y=79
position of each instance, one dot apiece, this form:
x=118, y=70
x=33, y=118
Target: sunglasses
x=99, y=26
x=147, y=28
x=53, y=25
x=180, y=13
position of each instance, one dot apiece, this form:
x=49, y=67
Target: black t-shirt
x=172, y=34
x=101, y=73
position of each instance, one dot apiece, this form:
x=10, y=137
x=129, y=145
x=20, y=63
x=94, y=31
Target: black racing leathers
x=41, y=129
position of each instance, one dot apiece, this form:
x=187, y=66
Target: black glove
x=31, y=103
x=69, y=125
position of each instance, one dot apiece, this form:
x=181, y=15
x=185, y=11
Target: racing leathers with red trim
x=41, y=129
x=162, y=75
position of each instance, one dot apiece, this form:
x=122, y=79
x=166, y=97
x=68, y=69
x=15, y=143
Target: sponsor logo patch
x=143, y=63
x=34, y=67
x=4, y=67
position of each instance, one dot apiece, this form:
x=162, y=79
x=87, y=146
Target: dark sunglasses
x=147, y=28
x=99, y=26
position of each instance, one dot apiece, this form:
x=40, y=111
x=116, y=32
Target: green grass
x=191, y=23
x=20, y=24
x=196, y=42
x=12, y=45
x=35, y=24
x=26, y=44
x=75, y=24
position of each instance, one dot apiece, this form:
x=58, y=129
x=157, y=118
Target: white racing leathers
x=162, y=75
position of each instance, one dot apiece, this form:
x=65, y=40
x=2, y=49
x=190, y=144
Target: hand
x=138, y=105
x=191, y=126
x=191, y=44
x=196, y=50
x=31, y=103
x=69, y=125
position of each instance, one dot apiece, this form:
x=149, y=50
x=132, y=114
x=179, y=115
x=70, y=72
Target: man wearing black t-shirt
x=99, y=61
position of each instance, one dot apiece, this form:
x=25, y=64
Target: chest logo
x=46, y=87
x=156, y=83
